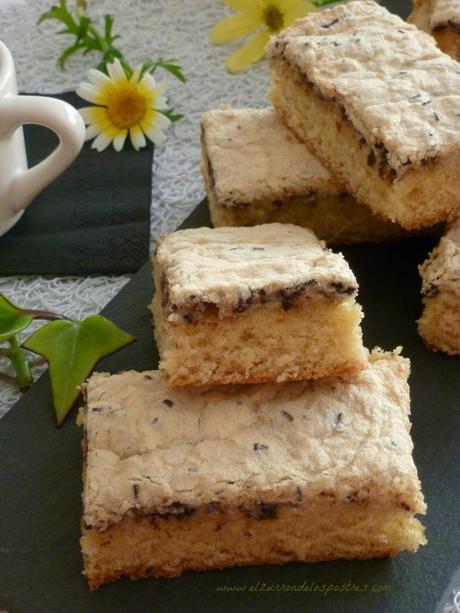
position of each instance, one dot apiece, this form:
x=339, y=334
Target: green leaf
x=12, y=319
x=108, y=24
x=72, y=350
x=101, y=66
x=60, y=12
x=171, y=115
x=83, y=28
x=173, y=69
x=168, y=65
x=53, y=13
x=68, y=52
x=320, y=3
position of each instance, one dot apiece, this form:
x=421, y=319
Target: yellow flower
x=125, y=106
x=266, y=16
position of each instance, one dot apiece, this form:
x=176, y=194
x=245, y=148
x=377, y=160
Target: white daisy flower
x=123, y=106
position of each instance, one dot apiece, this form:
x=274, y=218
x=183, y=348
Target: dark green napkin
x=94, y=219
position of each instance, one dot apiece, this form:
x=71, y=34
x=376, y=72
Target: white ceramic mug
x=18, y=185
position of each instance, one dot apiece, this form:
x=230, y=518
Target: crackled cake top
x=401, y=93
x=441, y=271
x=228, y=270
x=151, y=448
x=252, y=156
x=432, y=14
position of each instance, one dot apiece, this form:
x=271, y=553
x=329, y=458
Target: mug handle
x=60, y=117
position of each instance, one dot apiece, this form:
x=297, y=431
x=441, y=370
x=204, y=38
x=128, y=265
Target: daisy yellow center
x=274, y=18
x=126, y=109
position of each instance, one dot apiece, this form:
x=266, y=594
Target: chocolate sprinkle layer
x=224, y=272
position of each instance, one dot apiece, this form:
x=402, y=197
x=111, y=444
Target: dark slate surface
x=40, y=479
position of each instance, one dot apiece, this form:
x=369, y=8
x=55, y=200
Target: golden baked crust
x=167, y=465
x=263, y=344
x=152, y=546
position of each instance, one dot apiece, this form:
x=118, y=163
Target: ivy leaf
x=12, y=319
x=72, y=349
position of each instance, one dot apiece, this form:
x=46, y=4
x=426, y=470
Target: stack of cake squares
x=270, y=434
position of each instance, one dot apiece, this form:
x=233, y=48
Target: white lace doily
x=149, y=28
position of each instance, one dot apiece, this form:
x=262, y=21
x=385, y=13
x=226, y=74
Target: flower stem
x=22, y=367
x=103, y=47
